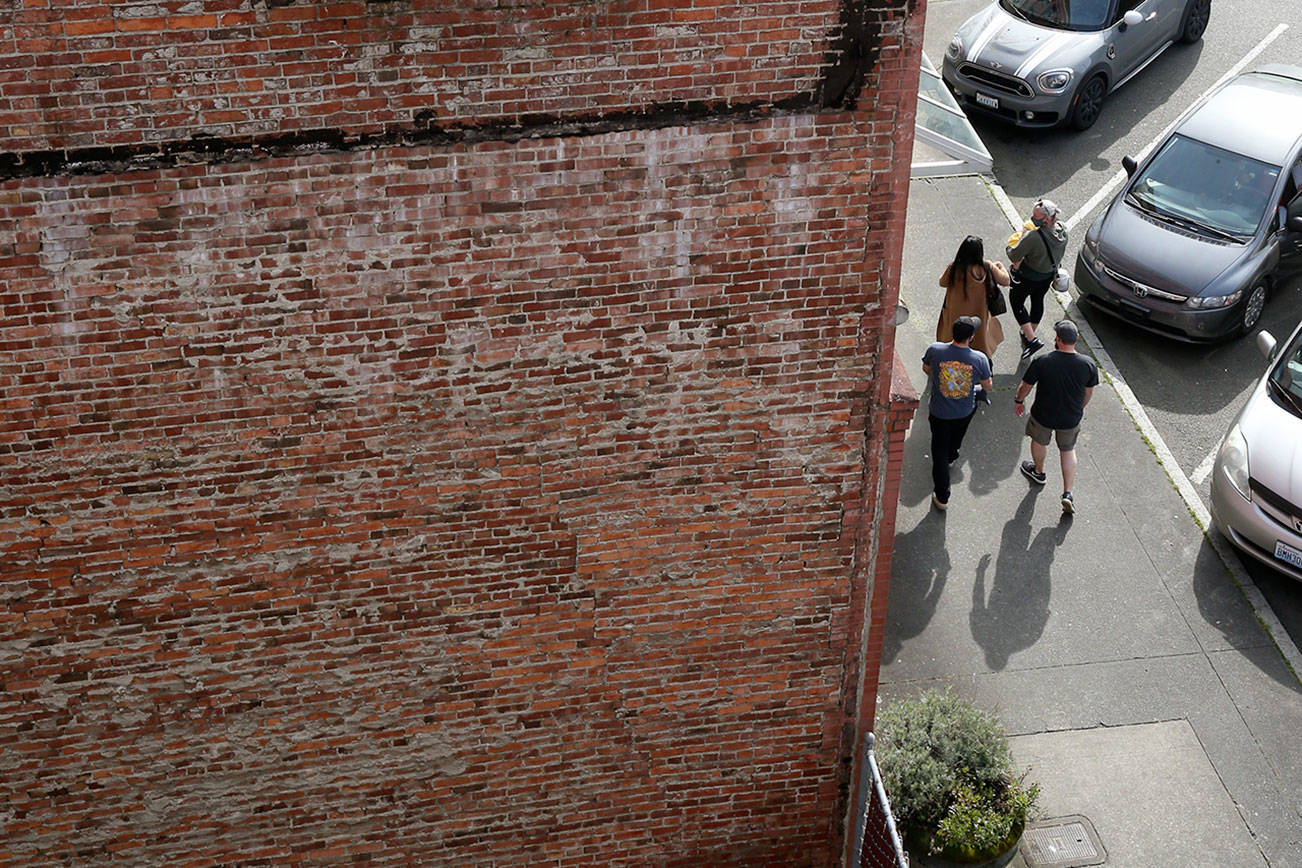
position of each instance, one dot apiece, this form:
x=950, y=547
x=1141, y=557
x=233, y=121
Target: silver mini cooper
x=1044, y=63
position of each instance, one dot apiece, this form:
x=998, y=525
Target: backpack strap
x=1047, y=249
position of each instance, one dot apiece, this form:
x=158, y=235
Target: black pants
x=1028, y=288
x=946, y=440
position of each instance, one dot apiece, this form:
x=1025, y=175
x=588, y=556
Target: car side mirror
x=1266, y=343
x=1295, y=225
x=1293, y=209
x=1130, y=19
x=1129, y=164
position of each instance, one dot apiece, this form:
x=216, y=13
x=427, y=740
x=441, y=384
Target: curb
x=1260, y=606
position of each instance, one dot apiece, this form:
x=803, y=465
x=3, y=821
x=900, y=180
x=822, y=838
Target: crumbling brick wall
x=442, y=434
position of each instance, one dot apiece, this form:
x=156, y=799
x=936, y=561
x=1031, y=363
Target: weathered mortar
x=481, y=487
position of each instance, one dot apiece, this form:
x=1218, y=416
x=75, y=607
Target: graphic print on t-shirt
x=955, y=379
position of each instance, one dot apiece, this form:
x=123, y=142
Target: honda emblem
x=1140, y=291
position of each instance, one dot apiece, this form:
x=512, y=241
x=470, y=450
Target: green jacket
x=1040, y=251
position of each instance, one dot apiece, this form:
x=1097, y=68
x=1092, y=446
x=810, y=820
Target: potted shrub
x=949, y=774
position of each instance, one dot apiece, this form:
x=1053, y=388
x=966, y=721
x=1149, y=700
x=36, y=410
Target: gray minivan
x=1210, y=223
x=1257, y=478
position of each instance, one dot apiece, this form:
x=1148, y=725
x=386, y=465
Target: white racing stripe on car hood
x=1051, y=45
x=993, y=26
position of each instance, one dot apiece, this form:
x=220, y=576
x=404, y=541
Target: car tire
x=1088, y=103
x=1196, y=17
x=1253, y=303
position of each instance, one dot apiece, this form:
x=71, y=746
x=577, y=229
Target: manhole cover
x=1063, y=842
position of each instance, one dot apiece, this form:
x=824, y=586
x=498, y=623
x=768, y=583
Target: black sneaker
x=1033, y=346
x=1029, y=471
x=941, y=505
x=1068, y=505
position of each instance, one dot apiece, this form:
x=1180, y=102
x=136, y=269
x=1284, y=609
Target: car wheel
x=1087, y=104
x=1195, y=20
x=1252, y=306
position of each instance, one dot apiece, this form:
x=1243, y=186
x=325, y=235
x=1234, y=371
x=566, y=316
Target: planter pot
x=920, y=846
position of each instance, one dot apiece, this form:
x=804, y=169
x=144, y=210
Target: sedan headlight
x=955, y=50
x=1234, y=460
x=1054, y=81
x=1211, y=302
x=1089, y=251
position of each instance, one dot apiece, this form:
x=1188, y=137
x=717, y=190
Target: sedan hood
x=1274, y=438
x=1159, y=255
x=993, y=39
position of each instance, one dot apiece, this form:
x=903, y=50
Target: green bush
x=982, y=820
x=949, y=774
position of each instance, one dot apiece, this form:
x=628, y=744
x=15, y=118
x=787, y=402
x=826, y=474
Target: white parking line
x=1261, y=606
x=1119, y=178
x=1203, y=470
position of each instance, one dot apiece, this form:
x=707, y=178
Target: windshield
x=1287, y=376
x=1206, y=188
x=1063, y=14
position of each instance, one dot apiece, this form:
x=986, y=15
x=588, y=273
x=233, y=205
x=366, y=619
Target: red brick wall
x=903, y=407
x=458, y=495
x=77, y=74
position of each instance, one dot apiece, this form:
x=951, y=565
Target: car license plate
x=1288, y=554
x=1132, y=309
x=987, y=101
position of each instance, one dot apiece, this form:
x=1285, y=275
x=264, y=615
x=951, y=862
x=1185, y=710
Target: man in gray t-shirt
x=955, y=373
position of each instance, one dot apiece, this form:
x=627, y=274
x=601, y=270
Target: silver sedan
x=1044, y=63
x=1257, y=478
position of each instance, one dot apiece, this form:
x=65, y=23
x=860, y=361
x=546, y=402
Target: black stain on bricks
x=851, y=55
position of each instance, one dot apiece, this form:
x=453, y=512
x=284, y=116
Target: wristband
x=1019, y=400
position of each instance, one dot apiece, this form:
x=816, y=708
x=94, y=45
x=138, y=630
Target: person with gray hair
x=1035, y=253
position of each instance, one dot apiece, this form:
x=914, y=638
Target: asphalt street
x=1190, y=393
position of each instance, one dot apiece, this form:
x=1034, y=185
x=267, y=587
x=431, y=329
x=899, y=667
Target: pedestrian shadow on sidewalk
x=1011, y=617
x=915, y=482
x=996, y=439
x=921, y=568
x=991, y=450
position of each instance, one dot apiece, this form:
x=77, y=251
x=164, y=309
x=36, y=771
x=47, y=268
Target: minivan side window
x=1289, y=203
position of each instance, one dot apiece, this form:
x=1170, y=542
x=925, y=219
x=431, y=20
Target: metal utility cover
x=1063, y=842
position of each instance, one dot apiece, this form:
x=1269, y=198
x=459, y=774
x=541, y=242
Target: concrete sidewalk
x=1132, y=675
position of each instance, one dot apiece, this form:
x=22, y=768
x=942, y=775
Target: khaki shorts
x=1066, y=436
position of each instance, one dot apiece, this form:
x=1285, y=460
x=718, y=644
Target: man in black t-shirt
x=1064, y=382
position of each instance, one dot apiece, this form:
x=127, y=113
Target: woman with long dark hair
x=965, y=282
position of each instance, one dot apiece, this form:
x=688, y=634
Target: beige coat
x=967, y=297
